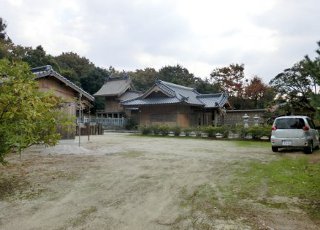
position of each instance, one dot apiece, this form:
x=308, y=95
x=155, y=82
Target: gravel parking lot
x=124, y=181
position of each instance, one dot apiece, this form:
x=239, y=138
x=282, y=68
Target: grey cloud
x=116, y=31
x=123, y=28
x=292, y=18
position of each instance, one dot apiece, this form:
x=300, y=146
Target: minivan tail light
x=305, y=128
x=274, y=128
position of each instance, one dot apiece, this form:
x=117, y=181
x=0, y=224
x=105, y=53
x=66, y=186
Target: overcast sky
x=201, y=35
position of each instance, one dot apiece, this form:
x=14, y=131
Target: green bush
x=242, y=131
x=164, y=130
x=176, y=130
x=213, y=131
x=259, y=131
x=198, y=131
x=255, y=131
x=209, y=130
x=131, y=124
x=187, y=131
x=145, y=130
x=155, y=129
x=235, y=128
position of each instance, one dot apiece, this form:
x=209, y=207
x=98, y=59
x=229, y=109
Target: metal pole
x=20, y=142
x=80, y=110
x=89, y=125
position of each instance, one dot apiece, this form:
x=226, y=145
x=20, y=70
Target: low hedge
x=145, y=130
x=215, y=131
x=257, y=132
x=254, y=132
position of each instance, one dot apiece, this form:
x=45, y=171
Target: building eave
x=47, y=73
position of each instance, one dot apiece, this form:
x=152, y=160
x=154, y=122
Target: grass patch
x=203, y=197
x=276, y=205
x=12, y=185
x=283, y=184
x=18, y=187
x=207, y=210
x=15, y=184
x=201, y=204
x=285, y=177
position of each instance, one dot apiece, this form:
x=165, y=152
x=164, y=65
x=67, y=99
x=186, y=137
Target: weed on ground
x=283, y=184
x=286, y=177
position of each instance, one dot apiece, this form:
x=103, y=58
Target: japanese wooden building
x=76, y=100
x=115, y=90
x=176, y=105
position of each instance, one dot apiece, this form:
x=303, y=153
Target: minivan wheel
x=275, y=149
x=309, y=149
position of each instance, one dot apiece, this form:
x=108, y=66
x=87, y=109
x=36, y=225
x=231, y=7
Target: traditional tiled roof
x=182, y=93
x=150, y=101
x=114, y=86
x=130, y=94
x=176, y=94
x=213, y=100
x=45, y=71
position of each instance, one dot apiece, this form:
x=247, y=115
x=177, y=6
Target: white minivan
x=294, y=132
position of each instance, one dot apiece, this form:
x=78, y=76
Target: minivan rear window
x=289, y=123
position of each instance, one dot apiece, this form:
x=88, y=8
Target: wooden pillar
x=215, y=118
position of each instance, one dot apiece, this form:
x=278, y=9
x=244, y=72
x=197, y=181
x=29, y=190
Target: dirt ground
x=123, y=181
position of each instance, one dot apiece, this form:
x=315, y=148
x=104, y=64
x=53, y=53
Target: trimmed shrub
x=164, y=130
x=131, y=124
x=198, y=131
x=187, y=131
x=155, y=129
x=259, y=131
x=176, y=130
x=214, y=131
x=256, y=132
x=145, y=130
